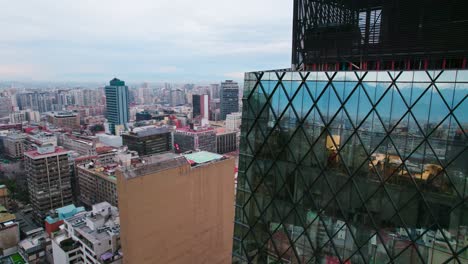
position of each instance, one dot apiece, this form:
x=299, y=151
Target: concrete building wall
x=9, y=237
x=184, y=214
x=60, y=256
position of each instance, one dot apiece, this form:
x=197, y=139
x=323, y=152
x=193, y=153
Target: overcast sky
x=142, y=40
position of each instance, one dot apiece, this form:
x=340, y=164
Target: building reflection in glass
x=353, y=167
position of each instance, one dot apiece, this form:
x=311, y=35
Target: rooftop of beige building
x=169, y=160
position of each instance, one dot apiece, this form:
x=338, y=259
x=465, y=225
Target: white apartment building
x=90, y=237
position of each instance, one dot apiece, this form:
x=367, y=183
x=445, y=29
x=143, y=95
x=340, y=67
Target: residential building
x=233, y=121
x=13, y=145
x=148, y=140
x=97, y=183
x=184, y=212
x=83, y=145
x=195, y=138
x=17, y=117
x=49, y=179
x=91, y=237
x=36, y=101
x=68, y=120
x=177, y=97
x=32, y=116
x=5, y=106
x=39, y=139
x=9, y=232
x=54, y=220
x=229, y=98
x=226, y=141
x=117, y=102
x=357, y=154
x=36, y=248
x=4, y=195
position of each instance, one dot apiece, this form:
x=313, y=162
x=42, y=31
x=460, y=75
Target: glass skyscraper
x=229, y=98
x=345, y=161
x=117, y=112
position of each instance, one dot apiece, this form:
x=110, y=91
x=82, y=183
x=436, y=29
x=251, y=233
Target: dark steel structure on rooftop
x=380, y=34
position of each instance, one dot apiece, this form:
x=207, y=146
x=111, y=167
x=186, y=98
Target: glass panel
x=392, y=192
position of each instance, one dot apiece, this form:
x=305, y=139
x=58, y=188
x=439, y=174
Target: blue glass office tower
x=357, y=159
x=117, y=111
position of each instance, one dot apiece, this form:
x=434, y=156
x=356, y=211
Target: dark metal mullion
x=423, y=199
x=426, y=137
x=262, y=212
x=375, y=226
x=427, y=229
x=323, y=169
x=364, y=204
x=327, y=128
x=271, y=131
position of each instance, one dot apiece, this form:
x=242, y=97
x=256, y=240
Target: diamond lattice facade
x=353, y=167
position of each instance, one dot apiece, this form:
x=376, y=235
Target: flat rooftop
x=195, y=130
x=148, y=131
x=160, y=162
x=34, y=154
x=202, y=157
x=105, y=172
x=63, y=114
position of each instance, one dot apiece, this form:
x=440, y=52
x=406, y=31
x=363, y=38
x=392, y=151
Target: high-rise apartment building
x=229, y=98
x=6, y=106
x=48, y=175
x=185, y=209
x=214, y=91
x=148, y=140
x=360, y=156
x=36, y=101
x=117, y=110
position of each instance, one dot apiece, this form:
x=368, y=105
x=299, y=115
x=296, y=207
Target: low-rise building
x=56, y=218
x=3, y=195
x=90, y=237
x=195, y=138
x=110, y=140
x=13, y=145
x=83, y=145
x=36, y=248
x=68, y=120
x=226, y=141
x=148, y=140
x=39, y=139
x=9, y=232
x=97, y=183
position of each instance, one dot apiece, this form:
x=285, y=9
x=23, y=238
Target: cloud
x=204, y=38
x=235, y=75
x=25, y=71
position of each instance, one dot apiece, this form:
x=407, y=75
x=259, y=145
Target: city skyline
x=88, y=41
